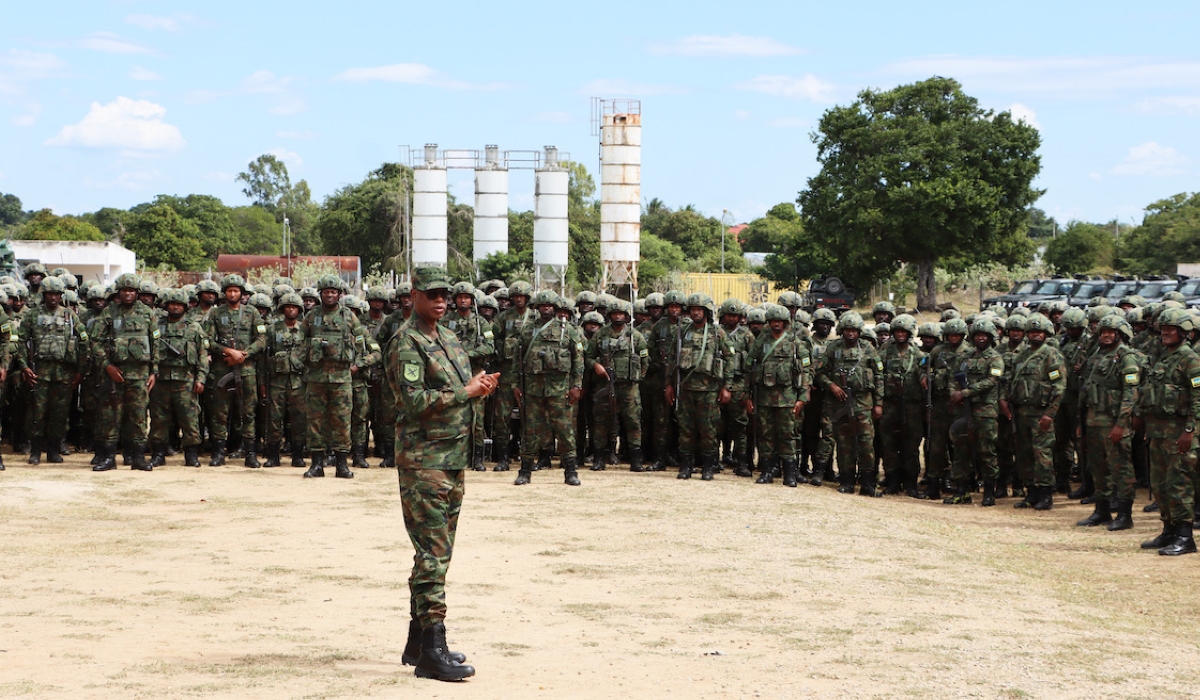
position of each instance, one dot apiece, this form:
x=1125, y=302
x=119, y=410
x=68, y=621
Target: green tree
x=161, y=237
x=267, y=181
x=1169, y=234
x=47, y=226
x=365, y=219
x=1081, y=248
x=109, y=220
x=10, y=210
x=763, y=235
x=507, y=266
x=917, y=174
x=1041, y=225
x=659, y=259
x=700, y=237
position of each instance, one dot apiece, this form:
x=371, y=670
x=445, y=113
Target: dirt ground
x=235, y=583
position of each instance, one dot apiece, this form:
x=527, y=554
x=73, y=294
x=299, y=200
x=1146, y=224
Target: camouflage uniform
x=332, y=336
x=975, y=438
x=1109, y=387
x=507, y=328
x=52, y=345
x=816, y=445
x=475, y=334
x=239, y=329
x=661, y=419
x=369, y=360
x=944, y=361
x=901, y=426
x=1067, y=422
x=704, y=368
x=1006, y=444
x=551, y=355
x=851, y=423
x=780, y=373
x=126, y=340
x=735, y=421
x=627, y=355
x=1035, y=389
x=286, y=353
x=384, y=334
x=183, y=361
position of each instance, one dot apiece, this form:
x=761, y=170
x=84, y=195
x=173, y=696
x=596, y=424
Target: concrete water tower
x=551, y=232
x=429, y=239
x=491, y=205
x=619, y=124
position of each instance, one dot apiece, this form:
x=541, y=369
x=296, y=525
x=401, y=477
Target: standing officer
x=975, y=389
x=1169, y=405
x=437, y=399
x=847, y=372
x=705, y=384
x=49, y=360
x=816, y=445
x=507, y=329
x=1075, y=344
x=901, y=425
x=331, y=333
x=126, y=351
x=1014, y=331
x=662, y=351
x=944, y=362
x=236, y=335
x=1035, y=390
x=368, y=358
x=780, y=371
x=183, y=369
x=735, y=422
x=286, y=353
x=476, y=336
x=550, y=353
x=622, y=351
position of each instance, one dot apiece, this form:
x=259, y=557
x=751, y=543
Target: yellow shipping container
x=749, y=289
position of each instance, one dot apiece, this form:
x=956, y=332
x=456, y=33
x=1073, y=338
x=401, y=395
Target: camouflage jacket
x=944, y=362
x=702, y=358
x=856, y=368
x=332, y=338
x=126, y=338
x=551, y=357
x=902, y=370
x=476, y=336
x=984, y=375
x=286, y=352
x=239, y=329
x=627, y=353
x=1171, y=392
x=1038, y=379
x=53, y=344
x=779, y=370
x=1109, y=385
x=740, y=340
x=182, y=351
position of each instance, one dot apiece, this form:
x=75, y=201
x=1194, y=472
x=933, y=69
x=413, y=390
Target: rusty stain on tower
x=620, y=130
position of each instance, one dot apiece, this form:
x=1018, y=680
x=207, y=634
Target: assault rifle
x=609, y=391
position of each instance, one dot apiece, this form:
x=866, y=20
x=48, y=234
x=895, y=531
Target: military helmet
x=1093, y=315
x=824, y=315
x=1016, y=322
x=1020, y=311
x=1075, y=318
x=955, y=326
x=489, y=301
x=58, y=272
x=905, y=322
x=585, y=297
x=1097, y=300
x=593, y=317
x=70, y=298
x=654, y=299
x=207, y=286
x=985, y=325
x=802, y=318
x=281, y=289
x=1135, y=315
x=1117, y=323
x=309, y=293
x=404, y=289
x=731, y=306
x=35, y=268
x=71, y=281
x=950, y=314
x=290, y=299
x=703, y=300
x=501, y=293
x=1171, y=304
x=520, y=287
x=883, y=327
x=260, y=301
x=53, y=284
x=778, y=313
x=546, y=296
x=620, y=306
x=1133, y=300
x=756, y=316
x=1180, y=318
x=175, y=296
x=1039, y=322
x=1174, y=296
x=674, y=297
x=999, y=310
x=97, y=292
x=377, y=293
x=148, y=287
x=329, y=281
x=851, y=320
x=789, y=299
x=127, y=280
x=639, y=307
x=566, y=303
x=884, y=307
x=461, y=288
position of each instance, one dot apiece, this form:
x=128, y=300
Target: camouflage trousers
x=975, y=443
x=1065, y=423
x=432, y=499
x=901, y=430
x=810, y=432
x=855, y=439
x=629, y=413
x=735, y=422
x=328, y=406
x=123, y=414
x=287, y=407
x=1035, y=447
x=51, y=408
x=661, y=419
x=223, y=402
x=1172, y=475
x=699, y=419
x=360, y=412
x=501, y=421
x=776, y=428
x=547, y=419
x=173, y=403
x=937, y=461
x=1111, y=465
x=1005, y=452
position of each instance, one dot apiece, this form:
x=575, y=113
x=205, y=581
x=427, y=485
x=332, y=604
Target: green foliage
x=1081, y=248
x=765, y=234
x=109, y=220
x=159, y=237
x=659, y=260
x=10, y=210
x=365, y=219
x=698, y=236
x=507, y=266
x=918, y=174
x=46, y=226
x=1040, y=225
x=460, y=234
x=1170, y=234
x=267, y=181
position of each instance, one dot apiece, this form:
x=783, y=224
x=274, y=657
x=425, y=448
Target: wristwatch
x=1190, y=429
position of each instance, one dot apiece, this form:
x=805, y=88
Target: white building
x=87, y=260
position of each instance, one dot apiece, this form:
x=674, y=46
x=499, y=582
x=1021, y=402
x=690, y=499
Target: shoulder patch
x=1195, y=382
x=878, y=364
x=1055, y=374
x=488, y=334
x=156, y=334
x=262, y=328
x=997, y=372
x=412, y=372
x=805, y=361
x=1132, y=378
x=83, y=336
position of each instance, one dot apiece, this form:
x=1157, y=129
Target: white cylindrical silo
x=491, y=206
x=429, y=245
x=621, y=195
x=551, y=232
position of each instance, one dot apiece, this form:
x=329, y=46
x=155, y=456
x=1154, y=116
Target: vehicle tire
x=834, y=285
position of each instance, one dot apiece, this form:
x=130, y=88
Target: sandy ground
x=236, y=583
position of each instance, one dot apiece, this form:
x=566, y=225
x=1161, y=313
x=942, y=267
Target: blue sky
x=110, y=102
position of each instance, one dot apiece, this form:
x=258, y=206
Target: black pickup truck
x=828, y=293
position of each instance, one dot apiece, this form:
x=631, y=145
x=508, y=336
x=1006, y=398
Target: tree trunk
x=926, y=286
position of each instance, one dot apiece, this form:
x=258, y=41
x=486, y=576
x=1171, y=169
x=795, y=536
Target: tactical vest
x=1167, y=392
x=287, y=356
x=550, y=349
x=1104, y=380
x=131, y=336
x=55, y=338
x=625, y=361
x=898, y=372
x=853, y=367
x=177, y=358
x=233, y=328
x=330, y=337
x=1027, y=385
x=699, y=351
x=778, y=367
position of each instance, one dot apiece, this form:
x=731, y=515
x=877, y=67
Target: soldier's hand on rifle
x=483, y=384
x=151, y=382
x=518, y=396
x=353, y=369
x=798, y=409
x=234, y=357
x=600, y=371
x=1005, y=409
x=1046, y=423
x=115, y=374
x=838, y=392
x=1184, y=443
x=30, y=376
x=573, y=395
x=669, y=392
x=748, y=404
x=877, y=413
x=924, y=382
x=198, y=388
x=76, y=380
x=956, y=397
x=1116, y=434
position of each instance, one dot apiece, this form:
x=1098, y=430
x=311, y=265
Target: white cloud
x=730, y=45
x=1065, y=75
x=134, y=126
x=290, y=158
x=622, y=88
x=112, y=43
x=1022, y=113
x=1174, y=105
x=289, y=107
x=298, y=135
x=1152, y=159
x=805, y=87
x=150, y=22
x=410, y=74
x=139, y=73
x=788, y=123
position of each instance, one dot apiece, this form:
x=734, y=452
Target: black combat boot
x=599, y=459
x=524, y=473
x=635, y=460
x=685, y=467
x=501, y=459
x=960, y=496
x=412, y=648
x=139, y=459
x=317, y=470
x=126, y=457
x=846, y=480
x=1183, y=542
x=434, y=661
x=1086, y=488
x=251, y=453
x=158, y=455
x=1, y=464
x=657, y=465
x=767, y=475
x=340, y=470
x=108, y=458
x=989, y=493
x=360, y=456
x=543, y=461
x=298, y=454
x=869, y=487
x=1124, y=519
x=35, y=452
x=219, y=454
x=789, y=472
x=741, y=466
x=1151, y=507
x=818, y=473
x=1164, y=538
x=272, y=455
x=55, y=451
x=191, y=456
x=708, y=467
x=891, y=483
x=1100, y=516
x=570, y=472
x=476, y=459
x=1045, y=498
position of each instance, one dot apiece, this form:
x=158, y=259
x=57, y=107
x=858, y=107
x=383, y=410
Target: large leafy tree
x=161, y=237
x=365, y=219
x=1081, y=248
x=47, y=226
x=10, y=210
x=268, y=185
x=917, y=174
x=700, y=237
x=1170, y=234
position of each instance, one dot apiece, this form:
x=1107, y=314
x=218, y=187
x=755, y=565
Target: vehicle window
x=1150, y=289
x=1190, y=288
x=1088, y=290
x=1048, y=288
x=1121, y=289
x=1024, y=288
